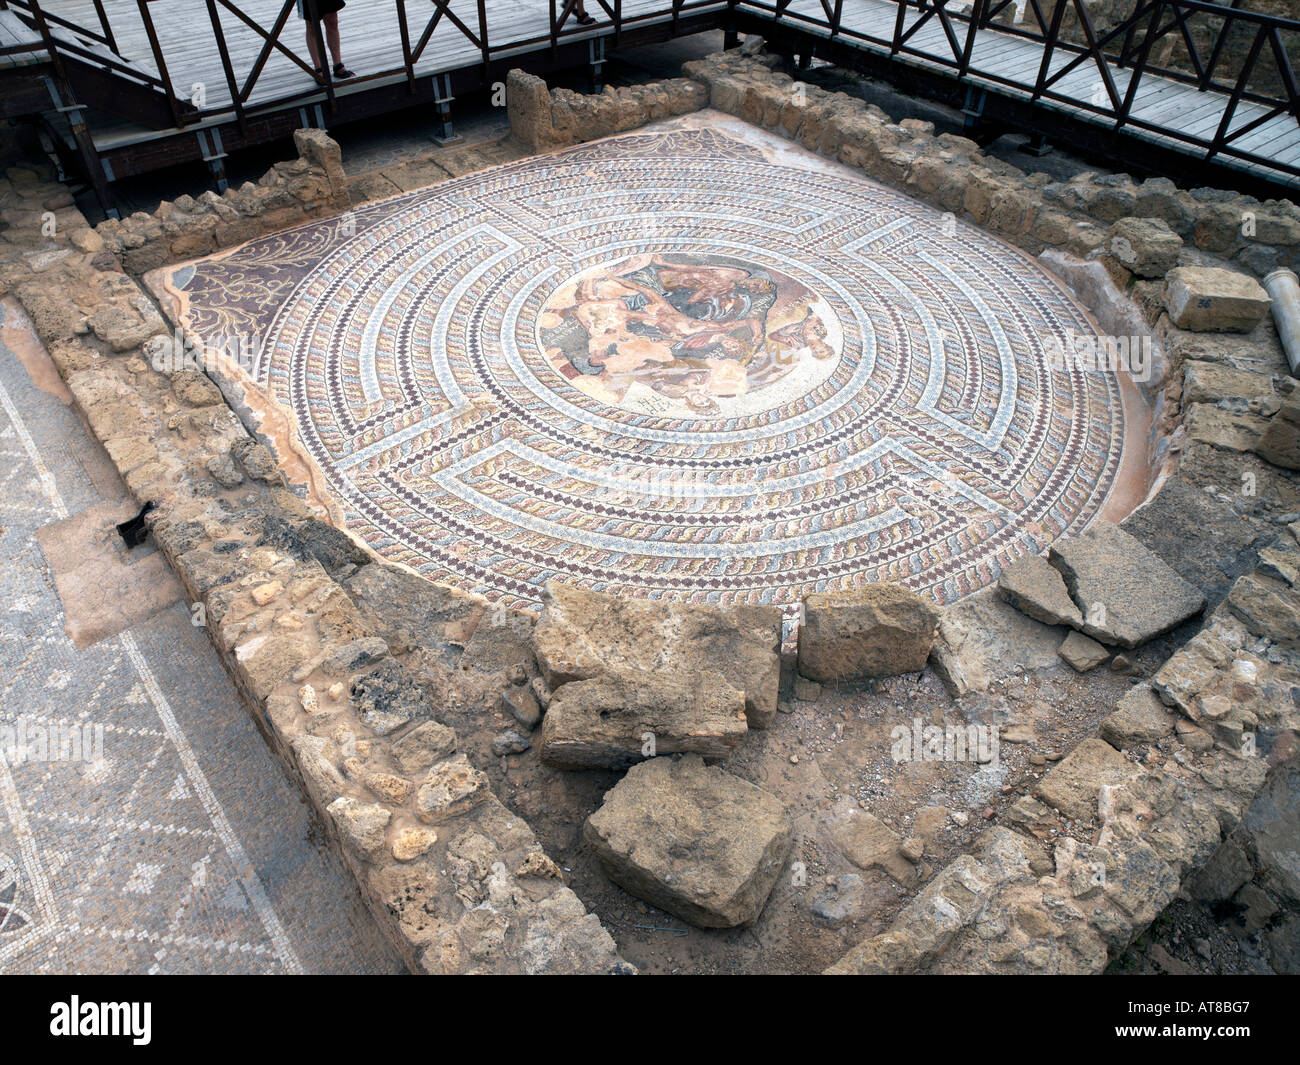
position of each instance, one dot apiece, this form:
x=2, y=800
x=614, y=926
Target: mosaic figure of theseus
x=691, y=327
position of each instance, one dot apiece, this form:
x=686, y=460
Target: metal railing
x=1126, y=45
x=1059, y=29
x=416, y=22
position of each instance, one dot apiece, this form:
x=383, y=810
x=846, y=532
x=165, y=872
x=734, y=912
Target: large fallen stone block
x=584, y=634
x=693, y=840
x=1280, y=441
x=876, y=631
x=1207, y=299
x=1145, y=246
x=1138, y=718
x=1127, y=594
x=1074, y=784
x=616, y=720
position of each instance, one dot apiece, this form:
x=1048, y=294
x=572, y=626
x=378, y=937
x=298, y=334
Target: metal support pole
x=442, y=100
x=595, y=61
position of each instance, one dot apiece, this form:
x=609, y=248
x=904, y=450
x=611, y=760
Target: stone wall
x=544, y=119
x=311, y=186
x=952, y=174
x=313, y=629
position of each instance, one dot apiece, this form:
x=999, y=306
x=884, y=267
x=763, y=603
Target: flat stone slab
x=868, y=842
x=693, y=840
x=616, y=720
x=1073, y=785
x=584, y=634
x=1127, y=593
x=877, y=631
x=1139, y=717
x=1036, y=589
x=1082, y=653
x=1208, y=299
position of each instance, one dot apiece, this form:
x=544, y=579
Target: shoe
x=586, y=20
x=341, y=71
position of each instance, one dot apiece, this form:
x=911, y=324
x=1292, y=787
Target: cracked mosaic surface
x=690, y=361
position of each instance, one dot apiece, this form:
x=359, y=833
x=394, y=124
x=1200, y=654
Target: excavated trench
x=696, y=362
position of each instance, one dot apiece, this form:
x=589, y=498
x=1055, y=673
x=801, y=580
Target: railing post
x=231, y=81
x=1126, y=46
x=1243, y=79
x=484, y=44
x=104, y=26
x=1224, y=30
x=1286, y=72
x=159, y=61
x=730, y=37
x=976, y=16
x=405, y=33
x=1130, y=94
x=1049, y=45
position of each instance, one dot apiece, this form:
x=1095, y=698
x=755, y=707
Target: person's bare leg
x=332, y=36
x=311, y=44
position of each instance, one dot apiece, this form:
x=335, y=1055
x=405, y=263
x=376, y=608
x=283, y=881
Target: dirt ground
x=821, y=753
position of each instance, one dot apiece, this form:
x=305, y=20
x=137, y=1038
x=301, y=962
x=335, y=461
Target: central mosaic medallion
x=689, y=335
x=691, y=362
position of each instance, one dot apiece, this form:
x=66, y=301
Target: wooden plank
x=371, y=44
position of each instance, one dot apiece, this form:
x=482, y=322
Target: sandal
x=341, y=71
x=586, y=20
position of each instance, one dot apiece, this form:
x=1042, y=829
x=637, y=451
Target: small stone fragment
x=1082, y=653
x=509, y=742
x=411, y=843
x=521, y=704
x=451, y=788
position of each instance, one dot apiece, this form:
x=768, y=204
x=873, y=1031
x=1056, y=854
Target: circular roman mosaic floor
x=680, y=363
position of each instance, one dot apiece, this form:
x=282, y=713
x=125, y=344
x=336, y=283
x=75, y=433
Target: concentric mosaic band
x=675, y=363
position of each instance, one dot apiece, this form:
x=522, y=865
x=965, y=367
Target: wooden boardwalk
x=370, y=32
x=1165, y=112
x=998, y=57
x=14, y=33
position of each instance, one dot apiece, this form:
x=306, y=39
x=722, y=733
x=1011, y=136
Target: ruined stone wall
x=298, y=190
x=312, y=628
x=544, y=119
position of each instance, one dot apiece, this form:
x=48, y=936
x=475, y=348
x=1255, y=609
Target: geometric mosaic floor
x=144, y=825
x=693, y=361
